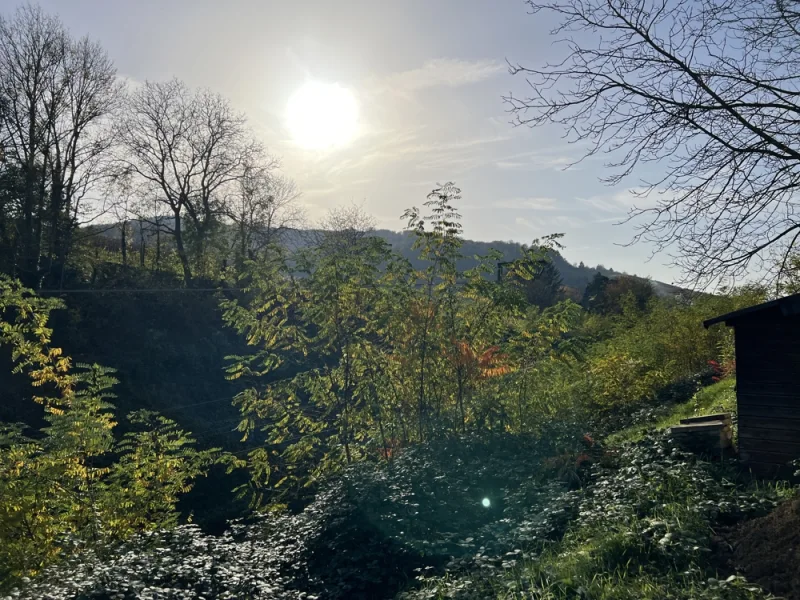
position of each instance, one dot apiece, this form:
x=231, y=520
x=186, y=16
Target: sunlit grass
x=719, y=397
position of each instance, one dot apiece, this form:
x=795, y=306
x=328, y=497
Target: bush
x=368, y=533
x=642, y=529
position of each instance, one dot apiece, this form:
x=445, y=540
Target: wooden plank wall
x=768, y=392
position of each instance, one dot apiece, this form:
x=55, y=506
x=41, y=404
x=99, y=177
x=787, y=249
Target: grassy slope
x=644, y=529
x=617, y=559
x=719, y=397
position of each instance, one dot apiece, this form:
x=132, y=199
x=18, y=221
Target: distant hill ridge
x=574, y=276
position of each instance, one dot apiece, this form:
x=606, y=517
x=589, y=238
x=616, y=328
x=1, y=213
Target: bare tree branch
x=192, y=147
x=708, y=89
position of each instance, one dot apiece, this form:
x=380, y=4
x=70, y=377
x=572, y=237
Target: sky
x=428, y=77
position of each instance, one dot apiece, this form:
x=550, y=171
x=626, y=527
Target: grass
x=643, y=530
x=719, y=397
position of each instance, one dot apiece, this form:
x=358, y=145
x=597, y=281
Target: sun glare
x=322, y=115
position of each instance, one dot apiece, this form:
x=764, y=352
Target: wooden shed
x=767, y=383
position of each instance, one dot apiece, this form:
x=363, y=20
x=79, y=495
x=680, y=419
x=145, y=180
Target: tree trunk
x=158, y=242
x=56, y=192
x=243, y=242
x=124, y=243
x=28, y=262
x=187, y=269
x=38, y=226
x=142, y=245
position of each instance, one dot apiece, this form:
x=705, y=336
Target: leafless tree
x=78, y=111
x=191, y=146
x=57, y=94
x=262, y=209
x=32, y=49
x=343, y=228
x=709, y=90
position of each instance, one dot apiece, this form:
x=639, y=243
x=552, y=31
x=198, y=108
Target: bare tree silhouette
x=709, y=88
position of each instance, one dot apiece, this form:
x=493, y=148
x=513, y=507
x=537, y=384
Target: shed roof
x=787, y=306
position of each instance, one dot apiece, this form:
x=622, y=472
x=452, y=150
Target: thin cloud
x=619, y=202
x=535, y=161
x=534, y=203
x=447, y=72
x=572, y=222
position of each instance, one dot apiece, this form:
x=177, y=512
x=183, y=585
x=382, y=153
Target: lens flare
x=486, y=502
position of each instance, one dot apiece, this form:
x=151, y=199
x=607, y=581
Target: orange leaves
x=485, y=364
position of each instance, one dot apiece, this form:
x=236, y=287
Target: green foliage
x=24, y=328
x=366, y=534
x=543, y=289
x=157, y=464
x=416, y=528
x=593, y=293
x=389, y=398
x=716, y=398
x=356, y=354
x=642, y=529
x=640, y=353
x=611, y=296
x=72, y=486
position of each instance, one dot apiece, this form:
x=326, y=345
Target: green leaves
x=357, y=355
x=74, y=486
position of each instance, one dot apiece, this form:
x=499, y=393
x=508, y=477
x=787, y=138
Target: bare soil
x=767, y=550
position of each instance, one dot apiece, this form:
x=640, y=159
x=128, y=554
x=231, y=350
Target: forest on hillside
x=204, y=393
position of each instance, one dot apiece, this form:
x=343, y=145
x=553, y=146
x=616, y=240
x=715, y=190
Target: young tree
x=710, y=90
x=320, y=332
x=440, y=246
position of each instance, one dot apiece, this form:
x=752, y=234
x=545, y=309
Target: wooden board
x=722, y=417
x=770, y=423
x=768, y=434
x=710, y=427
x=766, y=387
x=767, y=399
x=765, y=411
x=772, y=453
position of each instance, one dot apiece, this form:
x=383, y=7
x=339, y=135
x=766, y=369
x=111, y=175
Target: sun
x=321, y=116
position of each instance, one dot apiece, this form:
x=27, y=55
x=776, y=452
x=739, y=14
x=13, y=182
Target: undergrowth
x=641, y=526
x=643, y=530
x=716, y=398
x=367, y=534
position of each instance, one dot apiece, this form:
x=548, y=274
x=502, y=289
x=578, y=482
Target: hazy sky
x=428, y=76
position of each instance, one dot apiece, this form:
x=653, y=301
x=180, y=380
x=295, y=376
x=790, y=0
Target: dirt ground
x=767, y=550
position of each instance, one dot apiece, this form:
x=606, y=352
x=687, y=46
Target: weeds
x=719, y=397
x=643, y=530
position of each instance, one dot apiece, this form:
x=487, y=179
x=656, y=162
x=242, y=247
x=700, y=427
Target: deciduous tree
x=191, y=148
x=701, y=99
